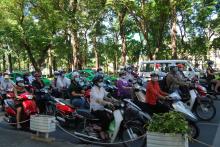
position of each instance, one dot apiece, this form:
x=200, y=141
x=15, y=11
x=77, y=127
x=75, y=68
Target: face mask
x=77, y=79
x=81, y=83
x=123, y=77
x=101, y=84
x=154, y=78
x=21, y=84
x=129, y=70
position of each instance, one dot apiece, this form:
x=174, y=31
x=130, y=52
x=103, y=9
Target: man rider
x=38, y=84
x=180, y=72
x=63, y=83
x=173, y=82
x=6, y=85
x=76, y=92
x=54, y=87
x=211, y=76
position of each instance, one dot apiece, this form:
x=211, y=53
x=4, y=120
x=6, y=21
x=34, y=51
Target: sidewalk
x=12, y=138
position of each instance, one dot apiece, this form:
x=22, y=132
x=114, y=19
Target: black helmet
x=154, y=74
x=122, y=73
x=97, y=78
x=210, y=62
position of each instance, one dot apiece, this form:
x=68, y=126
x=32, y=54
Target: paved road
x=9, y=137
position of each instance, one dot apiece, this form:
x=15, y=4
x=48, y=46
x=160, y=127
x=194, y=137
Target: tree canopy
x=76, y=34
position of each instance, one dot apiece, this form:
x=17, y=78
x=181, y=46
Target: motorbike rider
x=26, y=79
x=99, y=71
x=38, y=84
x=175, y=83
x=76, y=92
x=211, y=76
x=180, y=73
x=63, y=84
x=54, y=87
x=124, y=90
x=6, y=85
x=18, y=89
x=129, y=74
x=153, y=94
x=97, y=103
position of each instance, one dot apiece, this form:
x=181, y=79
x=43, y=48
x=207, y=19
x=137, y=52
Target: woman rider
x=19, y=89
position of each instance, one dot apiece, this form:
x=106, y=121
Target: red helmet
x=180, y=66
x=157, y=65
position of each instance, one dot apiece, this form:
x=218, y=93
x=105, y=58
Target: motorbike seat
x=86, y=114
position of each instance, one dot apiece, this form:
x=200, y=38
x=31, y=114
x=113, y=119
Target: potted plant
x=167, y=130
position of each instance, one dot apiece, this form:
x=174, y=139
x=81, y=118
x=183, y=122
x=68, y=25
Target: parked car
x=146, y=67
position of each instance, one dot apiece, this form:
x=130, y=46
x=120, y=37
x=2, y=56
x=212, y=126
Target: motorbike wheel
x=205, y=111
x=132, y=132
x=193, y=130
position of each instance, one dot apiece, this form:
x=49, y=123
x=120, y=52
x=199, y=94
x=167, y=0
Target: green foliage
x=172, y=122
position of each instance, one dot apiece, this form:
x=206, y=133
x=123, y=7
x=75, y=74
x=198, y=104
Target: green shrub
x=172, y=122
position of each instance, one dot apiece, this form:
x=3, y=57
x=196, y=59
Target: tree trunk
x=31, y=57
x=95, y=51
x=10, y=68
x=4, y=62
x=173, y=29
x=77, y=64
x=50, y=62
x=54, y=64
x=121, y=17
x=85, y=54
x=19, y=64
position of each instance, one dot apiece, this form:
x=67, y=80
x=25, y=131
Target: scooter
x=29, y=108
x=9, y=95
x=200, y=103
x=119, y=129
x=178, y=106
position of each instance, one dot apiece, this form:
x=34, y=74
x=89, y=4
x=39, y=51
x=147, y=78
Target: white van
x=146, y=67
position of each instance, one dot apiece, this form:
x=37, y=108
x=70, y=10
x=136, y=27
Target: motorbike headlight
x=122, y=105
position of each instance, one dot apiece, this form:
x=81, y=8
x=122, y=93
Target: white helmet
x=75, y=74
x=19, y=79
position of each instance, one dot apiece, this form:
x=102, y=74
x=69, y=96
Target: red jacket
x=153, y=92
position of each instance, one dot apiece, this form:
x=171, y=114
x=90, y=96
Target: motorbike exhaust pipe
x=86, y=136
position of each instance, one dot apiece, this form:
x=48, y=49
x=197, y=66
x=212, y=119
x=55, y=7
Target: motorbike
x=29, y=108
x=9, y=95
x=177, y=105
x=200, y=102
x=121, y=128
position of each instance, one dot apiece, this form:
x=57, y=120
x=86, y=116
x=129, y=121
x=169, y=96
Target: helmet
x=75, y=74
x=6, y=76
x=173, y=67
x=157, y=65
x=154, y=74
x=56, y=73
x=210, y=62
x=180, y=66
x=99, y=69
x=97, y=78
x=122, y=73
x=19, y=79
